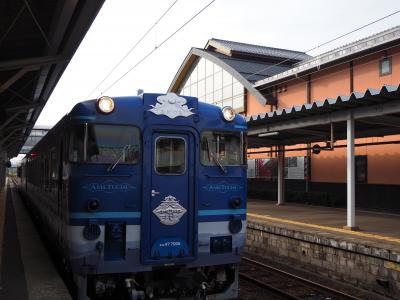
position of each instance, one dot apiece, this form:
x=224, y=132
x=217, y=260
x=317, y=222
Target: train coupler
x=132, y=292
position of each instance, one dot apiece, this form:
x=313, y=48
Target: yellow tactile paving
x=328, y=228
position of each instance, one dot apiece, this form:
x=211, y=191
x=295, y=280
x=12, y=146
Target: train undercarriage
x=213, y=282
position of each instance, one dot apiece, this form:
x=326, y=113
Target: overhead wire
x=331, y=75
x=322, y=77
x=311, y=49
x=133, y=48
x=327, y=42
x=158, y=47
x=332, y=67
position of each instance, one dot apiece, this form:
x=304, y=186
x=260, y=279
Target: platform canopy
x=375, y=113
x=37, y=40
x=369, y=114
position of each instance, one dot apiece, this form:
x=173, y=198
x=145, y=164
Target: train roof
x=148, y=110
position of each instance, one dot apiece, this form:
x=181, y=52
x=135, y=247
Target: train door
x=168, y=221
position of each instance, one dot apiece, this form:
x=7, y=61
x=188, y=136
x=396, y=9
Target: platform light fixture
x=105, y=105
x=272, y=133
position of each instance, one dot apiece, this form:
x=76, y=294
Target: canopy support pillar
x=281, y=175
x=351, y=199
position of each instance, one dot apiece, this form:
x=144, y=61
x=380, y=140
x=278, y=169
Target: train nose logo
x=172, y=106
x=169, y=212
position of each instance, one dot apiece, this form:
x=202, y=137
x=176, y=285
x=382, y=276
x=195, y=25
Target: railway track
x=283, y=285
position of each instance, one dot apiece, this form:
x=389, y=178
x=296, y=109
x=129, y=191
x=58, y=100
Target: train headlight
x=228, y=113
x=105, y=105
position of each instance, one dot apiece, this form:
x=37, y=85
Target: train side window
x=53, y=171
x=111, y=143
x=104, y=143
x=46, y=173
x=170, y=156
x=225, y=148
x=76, y=141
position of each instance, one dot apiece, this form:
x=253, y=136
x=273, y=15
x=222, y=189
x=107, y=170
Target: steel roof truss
x=31, y=62
x=9, y=120
x=383, y=121
x=268, y=142
x=17, y=94
x=23, y=108
x=16, y=76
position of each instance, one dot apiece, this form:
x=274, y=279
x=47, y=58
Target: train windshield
x=221, y=148
x=100, y=143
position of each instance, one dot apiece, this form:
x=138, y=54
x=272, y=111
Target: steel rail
x=269, y=287
x=321, y=286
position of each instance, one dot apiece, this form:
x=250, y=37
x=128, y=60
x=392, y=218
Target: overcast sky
x=295, y=25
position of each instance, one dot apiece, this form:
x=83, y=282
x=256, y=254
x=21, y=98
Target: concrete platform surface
x=27, y=271
x=314, y=239
x=375, y=227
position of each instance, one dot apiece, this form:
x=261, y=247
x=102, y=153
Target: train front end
x=157, y=198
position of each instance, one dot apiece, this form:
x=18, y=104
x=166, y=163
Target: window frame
x=155, y=155
x=85, y=144
x=389, y=59
x=356, y=169
x=242, y=142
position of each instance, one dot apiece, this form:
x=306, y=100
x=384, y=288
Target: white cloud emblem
x=172, y=106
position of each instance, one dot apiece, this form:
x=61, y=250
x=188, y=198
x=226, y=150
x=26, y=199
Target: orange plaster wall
x=259, y=155
x=334, y=81
x=383, y=162
x=297, y=152
x=330, y=83
x=295, y=94
x=254, y=107
x=273, y=154
x=366, y=71
x=330, y=166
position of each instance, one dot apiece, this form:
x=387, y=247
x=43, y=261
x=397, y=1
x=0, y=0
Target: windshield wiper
x=114, y=164
x=215, y=159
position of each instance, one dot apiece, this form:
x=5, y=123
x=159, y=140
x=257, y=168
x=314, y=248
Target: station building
x=256, y=80
x=37, y=133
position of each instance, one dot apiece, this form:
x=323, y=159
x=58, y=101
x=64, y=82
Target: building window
x=385, y=66
x=361, y=168
x=210, y=83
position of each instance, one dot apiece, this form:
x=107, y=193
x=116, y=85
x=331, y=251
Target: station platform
x=27, y=271
x=373, y=226
x=314, y=238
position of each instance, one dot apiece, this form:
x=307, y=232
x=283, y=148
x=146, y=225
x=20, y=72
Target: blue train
x=143, y=197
